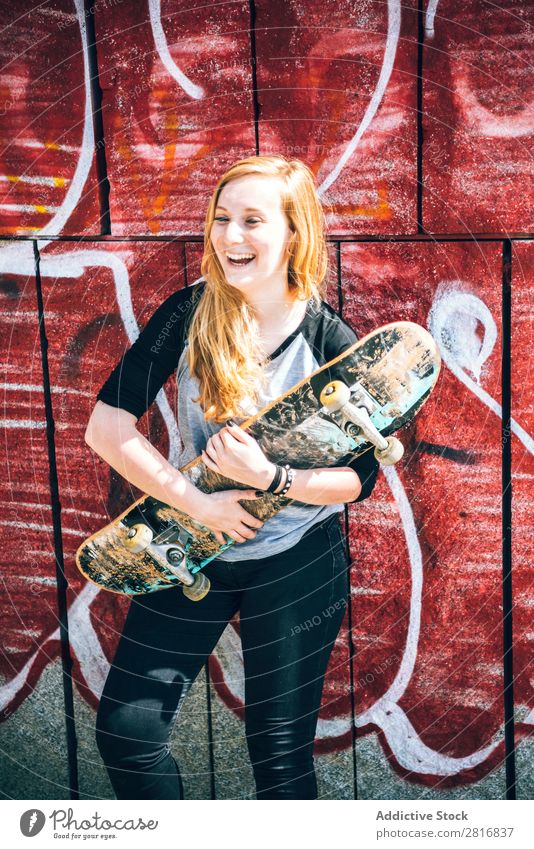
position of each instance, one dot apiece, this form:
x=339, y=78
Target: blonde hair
x=224, y=353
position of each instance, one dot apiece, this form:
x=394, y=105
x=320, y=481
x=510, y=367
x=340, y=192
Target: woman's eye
x=249, y=220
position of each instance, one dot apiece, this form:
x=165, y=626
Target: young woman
x=253, y=326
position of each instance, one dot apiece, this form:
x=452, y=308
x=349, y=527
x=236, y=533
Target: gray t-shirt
x=161, y=348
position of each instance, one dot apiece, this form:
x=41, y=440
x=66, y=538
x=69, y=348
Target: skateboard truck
x=356, y=421
x=169, y=554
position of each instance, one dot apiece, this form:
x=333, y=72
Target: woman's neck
x=276, y=313
x=278, y=321
x=274, y=303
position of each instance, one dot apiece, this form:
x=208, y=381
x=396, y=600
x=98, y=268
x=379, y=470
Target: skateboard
x=351, y=405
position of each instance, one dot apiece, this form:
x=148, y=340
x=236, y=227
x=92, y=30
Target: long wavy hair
x=224, y=353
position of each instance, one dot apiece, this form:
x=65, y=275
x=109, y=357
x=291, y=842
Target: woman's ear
x=290, y=241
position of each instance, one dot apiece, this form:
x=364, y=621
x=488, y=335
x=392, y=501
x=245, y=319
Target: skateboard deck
x=351, y=405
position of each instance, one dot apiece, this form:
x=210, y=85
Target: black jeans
x=291, y=607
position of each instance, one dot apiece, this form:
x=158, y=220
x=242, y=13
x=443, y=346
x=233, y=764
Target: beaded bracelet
x=283, y=470
x=288, y=482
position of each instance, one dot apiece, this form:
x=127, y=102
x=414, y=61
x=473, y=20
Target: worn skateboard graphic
x=351, y=405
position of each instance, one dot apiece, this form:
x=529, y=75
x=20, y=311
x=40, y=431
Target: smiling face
x=250, y=233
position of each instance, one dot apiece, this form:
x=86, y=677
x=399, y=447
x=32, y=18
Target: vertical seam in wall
x=211, y=758
x=61, y=581
x=352, y=661
x=337, y=248
x=507, y=594
x=420, y=49
x=184, y=263
x=255, y=101
x=352, y=653
x=98, y=124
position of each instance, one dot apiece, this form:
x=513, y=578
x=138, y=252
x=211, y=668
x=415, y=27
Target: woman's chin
x=243, y=281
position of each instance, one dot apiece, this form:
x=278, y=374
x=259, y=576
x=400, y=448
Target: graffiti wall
x=418, y=121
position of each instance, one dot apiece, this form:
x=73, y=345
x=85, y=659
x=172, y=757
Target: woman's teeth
x=240, y=259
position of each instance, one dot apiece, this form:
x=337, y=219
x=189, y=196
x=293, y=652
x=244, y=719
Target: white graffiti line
x=333, y=728
x=413, y=754
x=85, y=643
x=452, y=322
x=28, y=207
x=40, y=145
x=34, y=526
x=23, y=423
x=229, y=653
x=160, y=40
x=17, y=314
x=41, y=181
x=20, y=260
x=83, y=639
x=83, y=166
x=73, y=264
x=38, y=387
x=390, y=51
x=18, y=257
x=33, y=579
x=38, y=505
x=431, y=10
x=485, y=123
x=407, y=665
x=405, y=743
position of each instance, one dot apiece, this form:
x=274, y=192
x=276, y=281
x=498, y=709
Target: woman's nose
x=233, y=232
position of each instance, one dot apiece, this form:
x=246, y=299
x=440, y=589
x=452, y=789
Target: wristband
x=275, y=483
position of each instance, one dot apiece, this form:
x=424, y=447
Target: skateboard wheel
x=198, y=589
x=392, y=454
x=335, y=395
x=139, y=537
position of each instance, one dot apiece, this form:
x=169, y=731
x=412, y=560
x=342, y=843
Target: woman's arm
x=324, y=486
x=235, y=453
x=112, y=433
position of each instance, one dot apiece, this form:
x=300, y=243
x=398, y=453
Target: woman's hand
x=221, y=512
x=235, y=454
